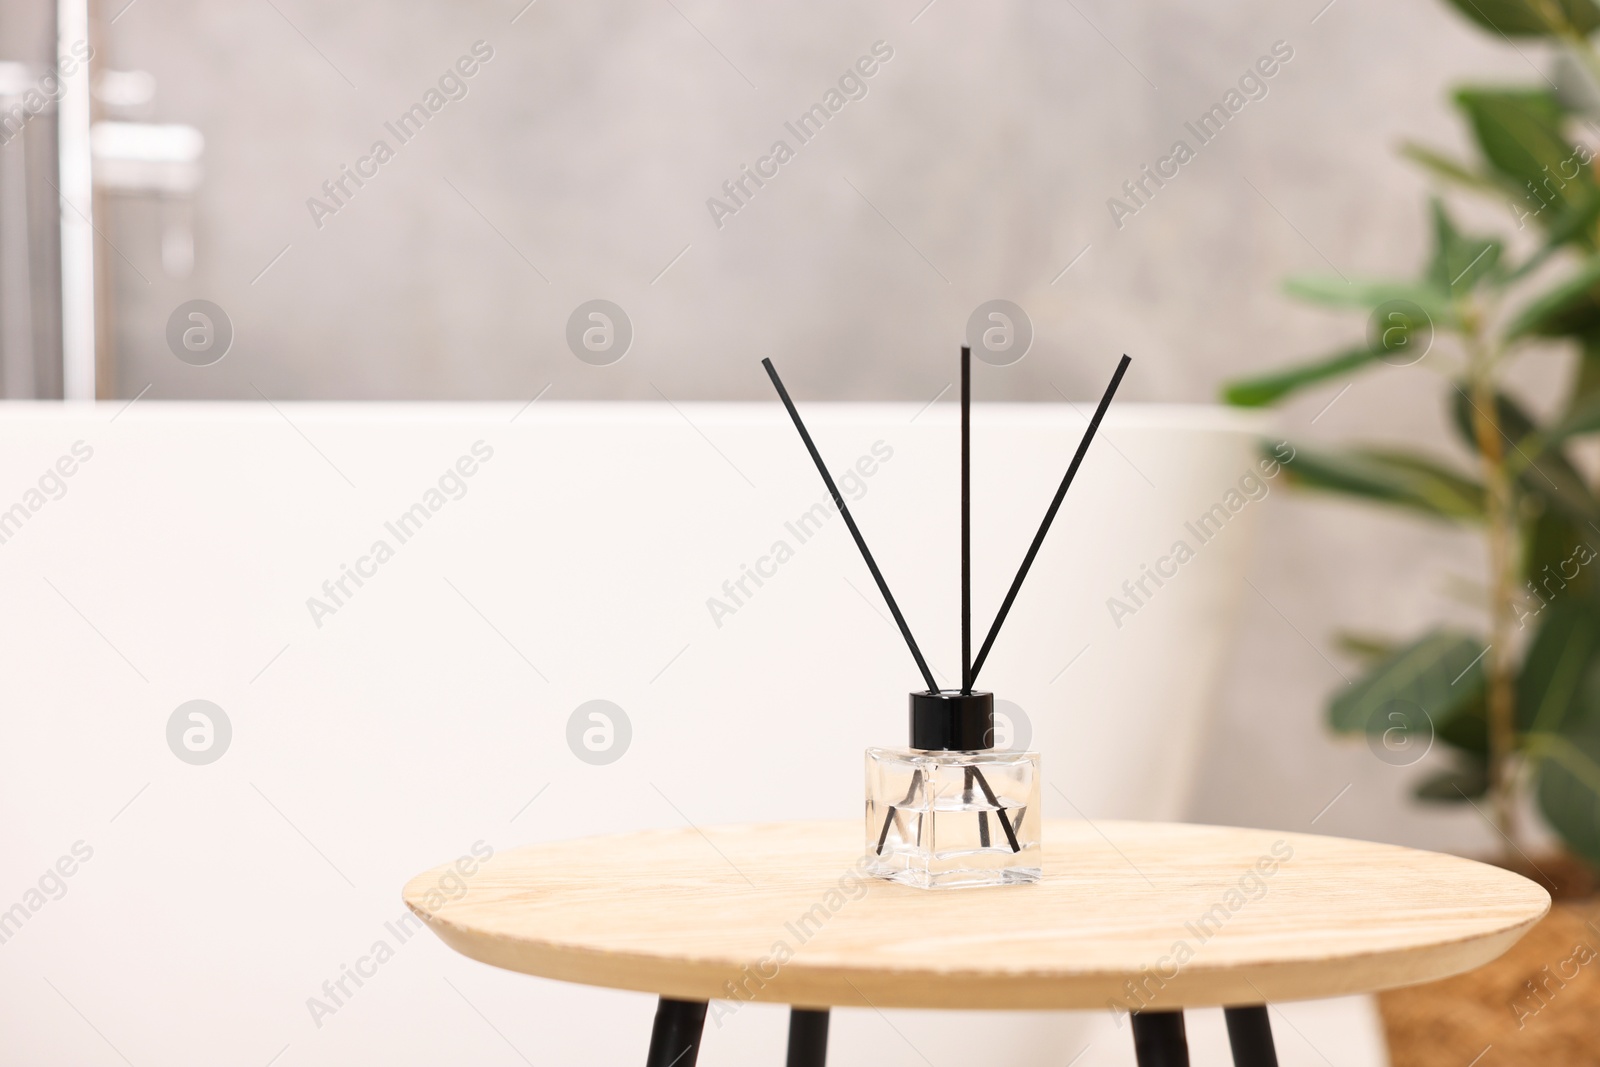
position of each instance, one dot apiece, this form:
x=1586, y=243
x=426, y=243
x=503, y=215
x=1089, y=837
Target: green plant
x=1518, y=703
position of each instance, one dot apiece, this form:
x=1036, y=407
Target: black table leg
x=1250, y=1034
x=1159, y=1040
x=675, y=1040
x=808, y=1037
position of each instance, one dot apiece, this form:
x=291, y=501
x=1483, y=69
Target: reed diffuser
x=949, y=810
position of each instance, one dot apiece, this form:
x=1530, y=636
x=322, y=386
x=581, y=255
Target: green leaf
x=1527, y=18
x=1389, y=477
x=1583, y=409
x=1552, y=691
x=1451, y=170
x=1542, y=469
x=1369, y=648
x=1469, y=781
x=1267, y=388
x=1368, y=293
x=1556, y=558
x=1441, y=673
x=1562, y=223
x=1568, y=789
x=1572, y=307
x=1467, y=727
x=1585, y=389
x=1459, y=262
x=1441, y=488
x=1584, y=392
x=1573, y=224
x=1519, y=133
x=1579, y=421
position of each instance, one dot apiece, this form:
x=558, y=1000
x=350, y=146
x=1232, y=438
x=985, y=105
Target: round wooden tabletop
x=1141, y=915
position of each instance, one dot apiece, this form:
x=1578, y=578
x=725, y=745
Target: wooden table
x=1139, y=918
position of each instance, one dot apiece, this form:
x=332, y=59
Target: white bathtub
x=379, y=727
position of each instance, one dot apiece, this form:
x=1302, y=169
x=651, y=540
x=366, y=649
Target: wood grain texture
x=1131, y=914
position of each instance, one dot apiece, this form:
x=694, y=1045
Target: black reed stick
x=855, y=532
x=966, y=519
x=1049, y=516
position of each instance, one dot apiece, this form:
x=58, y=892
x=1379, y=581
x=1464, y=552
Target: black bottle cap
x=948, y=720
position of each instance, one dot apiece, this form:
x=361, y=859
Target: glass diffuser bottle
x=950, y=811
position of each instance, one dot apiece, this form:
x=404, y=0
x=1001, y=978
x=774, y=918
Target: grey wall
x=978, y=166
